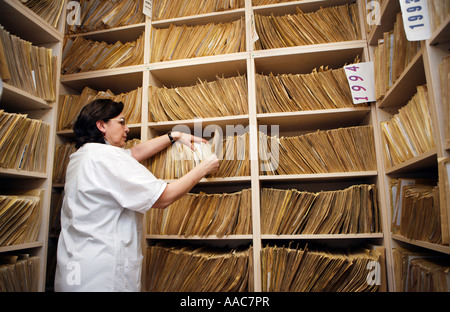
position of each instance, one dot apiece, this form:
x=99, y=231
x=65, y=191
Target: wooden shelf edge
x=318, y=176
x=436, y=247
x=418, y=161
x=22, y=99
x=21, y=174
x=105, y=31
x=200, y=237
x=21, y=246
x=324, y=236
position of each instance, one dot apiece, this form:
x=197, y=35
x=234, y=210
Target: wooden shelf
x=317, y=119
x=21, y=174
x=16, y=100
x=318, y=176
x=423, y=161
x=112, y=35
x=21, y=247
x=201, y=19
x=436, y=247
x=200, y=237
x=442, y=34
x=324, y=236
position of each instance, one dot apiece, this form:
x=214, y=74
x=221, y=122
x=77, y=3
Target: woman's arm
x=183, y=185
x=151, y=147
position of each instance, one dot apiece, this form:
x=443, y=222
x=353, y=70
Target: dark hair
x=85, y=127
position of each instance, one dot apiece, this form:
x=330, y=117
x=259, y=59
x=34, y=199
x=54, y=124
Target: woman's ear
x=101, y=125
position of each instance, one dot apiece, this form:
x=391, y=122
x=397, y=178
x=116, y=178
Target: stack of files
x=198, y=269
x=20, y=217
x=291, y=212
x=420, y=272
x=101, y=14
x=326, y=25
x=439, y=10
x=182, y=42
x=83, y=55
x=286, y=269
x=409, y=133
x=61, y=160
x=23, y=142
x=223, y=97
x=19, y=273
x=203, y=214
x=163, y=9
x=392, y=55
x=50, y=10
x=27, y=67
x=416, y=210
x=444, y=70
x=322, y=89
x=71, y=105
x=338, y=150
x=178, y=159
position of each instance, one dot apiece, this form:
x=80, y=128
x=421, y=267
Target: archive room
x=224, y=146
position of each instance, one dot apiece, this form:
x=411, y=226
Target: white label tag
x=254, y=34
x=360, y=77
x=416, y=19
x=148, y=8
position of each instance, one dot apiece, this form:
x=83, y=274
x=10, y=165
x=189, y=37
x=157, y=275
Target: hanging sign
x=148, y=8
x=416, y=19
x=360, y=77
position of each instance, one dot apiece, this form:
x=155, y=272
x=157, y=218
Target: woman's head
x=101, y=120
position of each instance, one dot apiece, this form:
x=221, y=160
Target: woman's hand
x=187, y=139
x=210, y=164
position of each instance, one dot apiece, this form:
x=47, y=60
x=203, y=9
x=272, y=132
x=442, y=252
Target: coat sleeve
x=133, y=186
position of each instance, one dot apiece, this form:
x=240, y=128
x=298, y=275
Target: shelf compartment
x=389, y=10
x=118, y=80
x=187, y=71
x=436, y=247
x=406, y=85
x=16, y=100
x=318, y=176
x=303, y=59
x=324, y=236
x=200, y=123
x=425, y=160
x=304, y=120
x=112, y=35
x=290, y=7
x=23, y=22
x=201, y=19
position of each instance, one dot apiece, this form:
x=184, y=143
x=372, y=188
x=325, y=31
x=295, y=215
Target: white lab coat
x=106, y=192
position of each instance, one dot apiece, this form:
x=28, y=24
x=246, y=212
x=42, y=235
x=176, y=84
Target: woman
x=106, y=192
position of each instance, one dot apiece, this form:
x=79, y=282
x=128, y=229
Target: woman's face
x=115, y=130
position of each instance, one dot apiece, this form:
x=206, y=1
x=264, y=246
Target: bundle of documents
x=322, y=89
x=416, y=210
x=61, y=160
x=182, y=42
x=409, y=133
x=326, y=25
x=338, y=150
x=71, y=105
x=204, y=214
x=392, y=55
x=163, y=9
x=420, y=272
x=27, y=67
x=289, y=212
x=20, y=217
x=82, y=55
x=286, y=269
x=104, y=14
x=50, y=10
x=198, y=269
x=23, y=142
x=19, y=273
x=223, y=97
x=176, y=160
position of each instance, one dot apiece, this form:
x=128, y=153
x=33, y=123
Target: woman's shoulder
x=104, y=150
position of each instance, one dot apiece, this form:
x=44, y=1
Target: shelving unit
x=292, y=60
x=423, y=69
x=24, y=23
